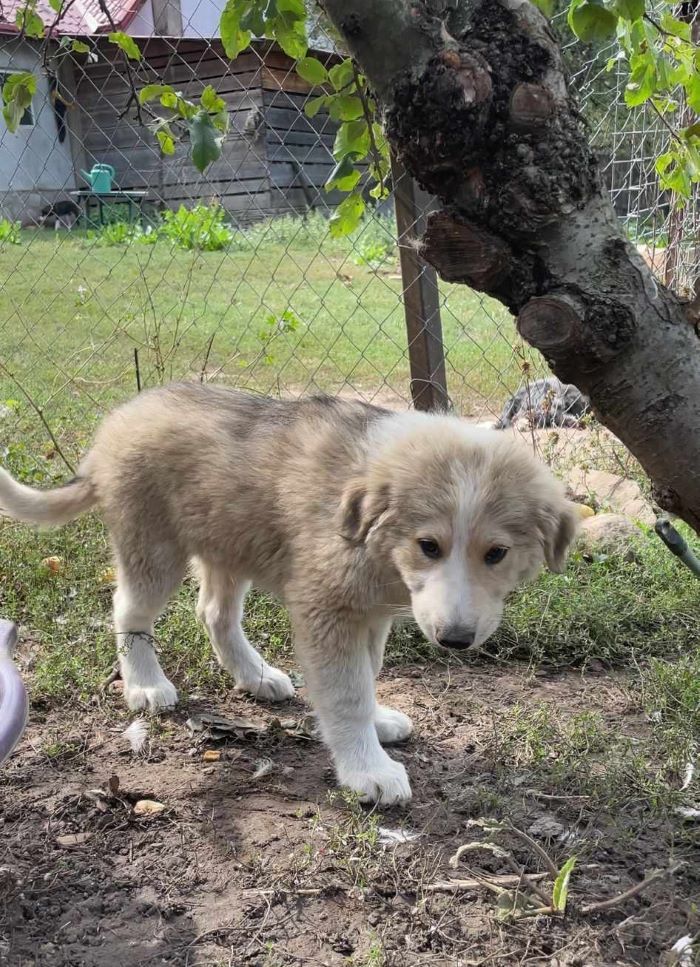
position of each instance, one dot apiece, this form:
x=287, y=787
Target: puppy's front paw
x=155, y=697
x=267, y=683
x=391, y=725
x=385, y=783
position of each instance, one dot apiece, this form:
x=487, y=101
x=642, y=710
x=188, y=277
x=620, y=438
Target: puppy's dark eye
x=430, y=548
x=495, y=555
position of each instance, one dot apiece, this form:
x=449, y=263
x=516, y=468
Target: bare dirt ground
x=267, y=870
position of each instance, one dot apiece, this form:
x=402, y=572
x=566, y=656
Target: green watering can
x=99, y=178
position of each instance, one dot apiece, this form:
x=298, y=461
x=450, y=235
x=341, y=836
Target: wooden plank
x=288, y=175
x=285, y=120
x=301, y=154
x=284, y=80
x=421, y=298
x=215, y=188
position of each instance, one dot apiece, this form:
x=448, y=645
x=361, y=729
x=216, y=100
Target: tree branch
x=476, y=106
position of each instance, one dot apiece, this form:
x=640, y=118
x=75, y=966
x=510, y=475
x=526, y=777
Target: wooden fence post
x=421, y=297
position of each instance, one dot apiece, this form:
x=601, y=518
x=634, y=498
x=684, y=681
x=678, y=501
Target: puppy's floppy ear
x=559, y=523
x=360, y=508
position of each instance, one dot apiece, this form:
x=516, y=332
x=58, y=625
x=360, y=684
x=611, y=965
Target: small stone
x=609, y=534
x=613, y=494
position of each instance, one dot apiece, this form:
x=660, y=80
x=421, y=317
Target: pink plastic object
x=14, y=704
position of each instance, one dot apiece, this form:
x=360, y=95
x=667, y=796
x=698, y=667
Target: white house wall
x=34, y=165
x=143, y=24
x=200, y=18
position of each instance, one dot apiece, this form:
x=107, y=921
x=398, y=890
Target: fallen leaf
x=53, y=564
x=212, y=755
x=108, y=576
x=73, y=839
x=113, y=785
x=219, y=727
x=148, y=807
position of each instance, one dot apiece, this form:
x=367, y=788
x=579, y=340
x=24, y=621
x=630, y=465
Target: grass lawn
x=277, y=312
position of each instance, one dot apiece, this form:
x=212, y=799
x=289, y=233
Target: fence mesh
x=233, y=275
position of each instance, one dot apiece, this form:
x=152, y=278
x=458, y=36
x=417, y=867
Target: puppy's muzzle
x=455, y=638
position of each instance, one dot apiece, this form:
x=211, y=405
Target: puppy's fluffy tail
x=45, y=507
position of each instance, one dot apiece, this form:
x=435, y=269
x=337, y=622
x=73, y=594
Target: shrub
x=202, y=227
x=9, y=232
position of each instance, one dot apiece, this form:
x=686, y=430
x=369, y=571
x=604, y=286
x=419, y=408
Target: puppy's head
x=464, y=516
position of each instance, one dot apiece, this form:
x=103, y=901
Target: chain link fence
x=232, y=275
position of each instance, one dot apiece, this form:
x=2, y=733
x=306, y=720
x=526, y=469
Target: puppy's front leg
x=340, y=679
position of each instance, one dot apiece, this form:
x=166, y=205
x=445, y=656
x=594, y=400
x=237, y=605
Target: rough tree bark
x=476, y=105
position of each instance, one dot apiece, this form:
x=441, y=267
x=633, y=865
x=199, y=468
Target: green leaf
x=592, y=23
x=166, y=140
x=344, y=176
x=643, y=79
x=352, y=138
x=677, y=28
x=17, y=93
x=211, y=101
x=151, y=91
x=673, y=172
x=294, y=7
x=560, y=891
x=629, y=9
x=29, y=21
x=342, y=74
x=547, y=7
x=292, y=39
x=347, y=216
x=127, y=44
x=254, y=20
x=345, y=107
x=206, y=140
x=510, y=905
x=312, y=71
x=233, y=37
x=56, y=5
x=692, y=92
x=78, y=47
x=169, y=98
x=314, y=105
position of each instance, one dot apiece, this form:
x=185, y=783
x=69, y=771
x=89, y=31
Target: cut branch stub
x=530, y=105
x=551, y=324
x=461, y=252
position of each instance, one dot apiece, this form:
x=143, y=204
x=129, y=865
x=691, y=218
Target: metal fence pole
x=421, y=297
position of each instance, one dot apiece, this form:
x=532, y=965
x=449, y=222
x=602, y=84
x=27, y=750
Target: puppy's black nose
x=457, y=638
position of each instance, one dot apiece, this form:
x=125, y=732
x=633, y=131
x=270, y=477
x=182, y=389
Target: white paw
x=391, y=725
x=161, y=694
x=386, y=783
x=267, y=683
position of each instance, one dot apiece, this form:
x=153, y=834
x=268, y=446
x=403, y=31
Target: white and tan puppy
x=349, y=513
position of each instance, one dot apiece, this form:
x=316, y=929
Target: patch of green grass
x=352, y=842
x=76, y=310
x=612, y=610
x=583, y=755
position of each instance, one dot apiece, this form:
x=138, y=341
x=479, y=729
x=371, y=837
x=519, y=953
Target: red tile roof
x=81, y=17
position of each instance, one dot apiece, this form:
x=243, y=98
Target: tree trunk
x=476, y=106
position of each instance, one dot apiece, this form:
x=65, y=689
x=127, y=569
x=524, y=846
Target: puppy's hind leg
x=137, y=603
x=220, y=608
x=391, y=725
